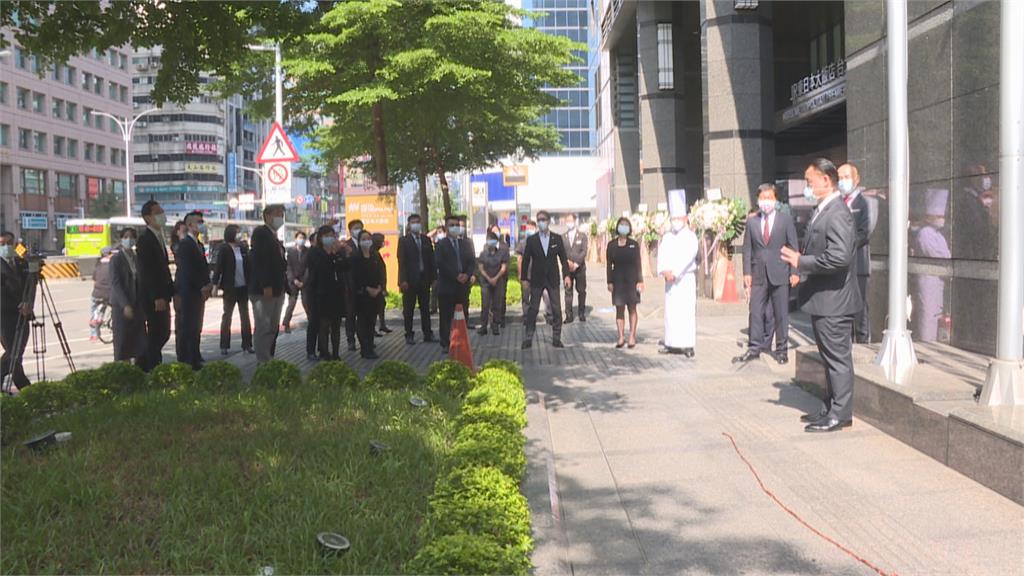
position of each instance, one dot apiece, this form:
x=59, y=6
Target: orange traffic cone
x=729, y=294
x=458, y=348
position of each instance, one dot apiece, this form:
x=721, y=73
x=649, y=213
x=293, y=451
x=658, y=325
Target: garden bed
x=176, y=475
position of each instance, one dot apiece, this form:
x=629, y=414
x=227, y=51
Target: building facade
x=726, y=94
x=197, y=156
x=58, y=159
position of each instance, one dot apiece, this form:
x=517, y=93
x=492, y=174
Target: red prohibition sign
x=277, y=174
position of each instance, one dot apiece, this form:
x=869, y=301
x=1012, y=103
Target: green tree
x=105, y=205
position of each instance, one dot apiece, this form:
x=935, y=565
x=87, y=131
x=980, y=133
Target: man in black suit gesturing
x=829, y=293
x=156, y=289
x=456, y=264
x=416, y=272
x=192, y=284
x=267, y=285
x=543, y=254
x=766, y=278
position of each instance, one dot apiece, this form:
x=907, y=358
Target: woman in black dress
x=625, y=279
x=324, y=265
x=368, y=283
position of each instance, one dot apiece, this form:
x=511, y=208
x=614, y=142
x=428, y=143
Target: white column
x=897, y=356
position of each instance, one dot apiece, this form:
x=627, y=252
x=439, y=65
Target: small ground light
x=377, y=447
x=417, y=402
x=332, y=543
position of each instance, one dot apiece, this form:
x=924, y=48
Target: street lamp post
x=278, y=79
x=127, y=126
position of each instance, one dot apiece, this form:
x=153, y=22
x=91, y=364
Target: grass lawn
x=191, y=482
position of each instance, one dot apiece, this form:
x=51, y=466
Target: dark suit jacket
x=224, y=270
x=863, y=224
x=124, y=286
x=13, y=277
x=448, y=266
x=577, y=250
x=543, y=269
x=409, y=261
x=154, y=272
x=268, y=270
x=830, y=284
x=763, y=261
x=296, y=266
x=193, y=271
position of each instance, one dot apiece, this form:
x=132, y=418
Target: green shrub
x=505, y=365
x=480, y=500
x=467, y=554
x=513, y=293
x=449, y=377
x=491, y=413
x=172, y=375
x=333, y=374
x=485, y=444
x=219, y=376
x=121, y=378
x=14, y=417
x=87, y=384
x=277, y=374
x=394, y=375
x=50, y=398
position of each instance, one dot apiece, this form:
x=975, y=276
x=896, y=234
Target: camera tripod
x=36, y=287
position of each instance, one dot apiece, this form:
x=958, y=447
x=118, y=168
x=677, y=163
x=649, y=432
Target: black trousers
x=579, y=283
x=239, y=297
x=381, y=308
x=350, y=315
x=312, y=325
x=188, y=327
x=764, y=297
x=492, y=299
x=366, y=315
x=862, y=321
x=328, y=332
x=536, y=293
x=833, y=334
x=416, y=294
x=8, y=331
x=158, y=332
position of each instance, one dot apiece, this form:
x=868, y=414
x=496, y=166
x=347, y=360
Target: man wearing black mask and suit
x=766, y=278
x=156, y=288
x=355, y=227
x=456, y=264
x=829, y=292
x=416, y=273
x=295, y=258
x=542, y=256
x=192, y=284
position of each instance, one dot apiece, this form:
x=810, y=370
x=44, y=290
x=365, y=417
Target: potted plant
x=718, y=223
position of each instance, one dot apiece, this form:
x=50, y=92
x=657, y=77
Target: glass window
x=666, y=73
x=112, y=90
x=5, y=135
x=86, y=81
x=23, y=96
x=57, y=108
x=71, y=109
x=98, y=85
x=24, y=138
x=39, y=142
x=112, y=57
x=101, y=154
x=38, y=102
x=3, y=92
x=123, y=61
x=124, y=94
x=33, y=181
x=113, y=126
x=67, y=185
x=73, y=149
x=58, y=145
x=87, y=116
x=69, y=75
x=19, y=57
x=37, y=64
x=55, y=72
x=89, y=149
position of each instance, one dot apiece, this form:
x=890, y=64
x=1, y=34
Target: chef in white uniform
x=677, y=264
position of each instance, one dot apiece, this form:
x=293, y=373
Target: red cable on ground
x=798, y=518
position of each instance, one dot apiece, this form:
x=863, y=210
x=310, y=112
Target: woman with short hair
x=231, y=276
x=625, y=279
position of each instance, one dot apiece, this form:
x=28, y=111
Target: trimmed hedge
x=486, y=444
x=120, y=378
x=14, y=417
x=50, y=398
x=219, y=376
x=172, y=375
x=505, y=366
x=393, y=375
x=333, y=374
x=449, y=377
x=277, y=374
x=86, y=383
x=467, y=554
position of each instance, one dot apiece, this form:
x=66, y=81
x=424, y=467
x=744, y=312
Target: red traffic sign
x=300, y=200
x=277, y=147
x=278, y=174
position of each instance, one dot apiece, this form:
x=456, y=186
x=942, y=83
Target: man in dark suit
x=156, y=289
x=766, y=278
x=192, y=285
x=542, y=256
x=295, y=260
x=355, y=227
x=266, y=288
x=416, y=273
x=864, y=219
x=576, y=246
x=15, y=311
x=829, y=293
x=456, y=263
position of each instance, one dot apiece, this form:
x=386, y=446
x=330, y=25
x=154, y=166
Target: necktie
x=458, y=255
x=848, y=200
x=767, y=231
x=419, y=250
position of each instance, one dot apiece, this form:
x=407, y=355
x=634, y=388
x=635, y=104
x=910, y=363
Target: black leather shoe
x=812, y=418
x=370, y=356
x=223, y=351
x=429, y=338
x=527, y=344
x=688, y=352
x=386, y=330
x=482, y=331
x=569, y=320
x=495, y=331
x=747, y=356
x=351, y=346
x=828, y=425
x=670, y=350
x=557, y=344
x=781, y=357
x=410, y=340
x=312, y=357
x=583, y=318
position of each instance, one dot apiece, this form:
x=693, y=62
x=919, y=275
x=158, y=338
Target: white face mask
x=356, y=232
x=328, y=241
x=6, y=252
x=986, y=183
x=766, y=206
x=530, y=233
x=623, y=230
x=366, y=244
x=441, y=236
x=160, y=219
x=678, y=225
x=809, y=194
x=127, y=243
x=456, y=231
x=846, y=186
x=276, y=222
x=542, y=225
x=571, y=225
x=415, y=227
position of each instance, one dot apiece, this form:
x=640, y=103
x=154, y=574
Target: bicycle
x=104, y=330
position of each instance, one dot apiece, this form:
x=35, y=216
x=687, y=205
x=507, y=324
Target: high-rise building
x=188, y=156
x=58, y=159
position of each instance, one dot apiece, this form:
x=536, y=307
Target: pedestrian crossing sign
x=277, y=147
